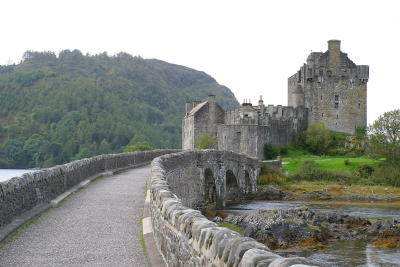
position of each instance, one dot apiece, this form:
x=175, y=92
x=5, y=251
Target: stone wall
x=183, y=235
x=248, y=129
x=21, y=194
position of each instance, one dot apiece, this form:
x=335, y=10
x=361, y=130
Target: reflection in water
x=382, y=257
x=343, y=252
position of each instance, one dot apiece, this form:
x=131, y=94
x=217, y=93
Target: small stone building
x=201, y=118
x=329, y=88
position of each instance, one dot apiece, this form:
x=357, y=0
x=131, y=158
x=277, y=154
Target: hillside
x=54, y=109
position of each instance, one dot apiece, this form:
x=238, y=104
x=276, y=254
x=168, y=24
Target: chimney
x=211, y=98
x=261, y=102
x=334, y=53
x=189, y=107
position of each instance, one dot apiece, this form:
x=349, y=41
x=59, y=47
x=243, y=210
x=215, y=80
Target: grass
x=292, y=164
x=231, y=226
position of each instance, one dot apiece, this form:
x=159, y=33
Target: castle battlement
x=261, y=115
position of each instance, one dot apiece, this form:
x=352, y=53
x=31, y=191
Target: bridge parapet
x=21, y=194
x=179, y=185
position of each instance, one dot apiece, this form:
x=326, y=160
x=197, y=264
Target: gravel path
x=97, y=226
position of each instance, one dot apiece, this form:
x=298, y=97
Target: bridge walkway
x=97, y=226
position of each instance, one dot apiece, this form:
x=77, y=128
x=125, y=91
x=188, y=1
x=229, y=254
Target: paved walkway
x=97, y=226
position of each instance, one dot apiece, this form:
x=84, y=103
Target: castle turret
x=297, y=97
x=333, y=89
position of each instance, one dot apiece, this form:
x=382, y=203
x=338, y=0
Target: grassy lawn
x=329, y=163
x=295, y=157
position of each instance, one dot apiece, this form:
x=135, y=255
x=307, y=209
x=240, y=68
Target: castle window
x=336, y=105
x=359, y=105
x=311, y=108
x=321, y=72
x=322, y=115
x=336, y=97
x=321, y=97
x=337, y=116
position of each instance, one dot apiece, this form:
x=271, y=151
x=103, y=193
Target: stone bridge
x=209, y=177
x=98, y=226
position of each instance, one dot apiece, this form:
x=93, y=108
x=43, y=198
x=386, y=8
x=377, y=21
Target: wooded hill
x=54, y=109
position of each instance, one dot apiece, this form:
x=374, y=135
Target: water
x=6, y=174
x=348, y=253
x=343, y=252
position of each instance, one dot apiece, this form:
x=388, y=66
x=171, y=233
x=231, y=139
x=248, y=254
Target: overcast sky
x=252, y=47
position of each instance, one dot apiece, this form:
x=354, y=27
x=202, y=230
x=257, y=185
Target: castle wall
x=278, y=126
x=188, y=132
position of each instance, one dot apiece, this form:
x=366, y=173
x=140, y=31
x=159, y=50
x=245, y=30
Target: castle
x=329, y=89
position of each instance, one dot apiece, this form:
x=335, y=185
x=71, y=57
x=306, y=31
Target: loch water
x=6, y=174
x=342, y=252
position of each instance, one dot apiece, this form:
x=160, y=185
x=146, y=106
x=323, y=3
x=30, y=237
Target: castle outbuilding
x=328, y=89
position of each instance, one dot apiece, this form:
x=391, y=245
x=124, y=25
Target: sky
x=250, y=46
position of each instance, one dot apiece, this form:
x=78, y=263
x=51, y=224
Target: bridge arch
x=210, y=187
x=248, y=187
x=232, y=189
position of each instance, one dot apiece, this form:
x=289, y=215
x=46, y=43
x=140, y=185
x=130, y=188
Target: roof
x=197, y=108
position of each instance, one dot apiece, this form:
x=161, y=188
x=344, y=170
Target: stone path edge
x=154, y=257
x=36, y=211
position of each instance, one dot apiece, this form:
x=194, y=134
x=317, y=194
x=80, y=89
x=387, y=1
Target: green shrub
x=364, y=170
x=386, y=174
x=346, y=162
x=338, y=152
x=141, y=146
x=267, y=179
x=204, y=142
x=283, y=150
x=270, y=175
x=270, y=151
x=269, y=169
x=318, y=138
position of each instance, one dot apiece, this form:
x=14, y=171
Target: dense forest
x=58, y=108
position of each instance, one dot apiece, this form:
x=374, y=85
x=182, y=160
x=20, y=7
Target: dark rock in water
x=299, y=227
x=268, y=193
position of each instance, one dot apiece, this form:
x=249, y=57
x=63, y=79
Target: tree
x=318, y=138
x=204, y=142
x=270, y=152
x=384, y=137
x=141, y=146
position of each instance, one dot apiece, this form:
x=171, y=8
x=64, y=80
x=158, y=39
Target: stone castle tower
x=333, y=88
x=328, y=89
